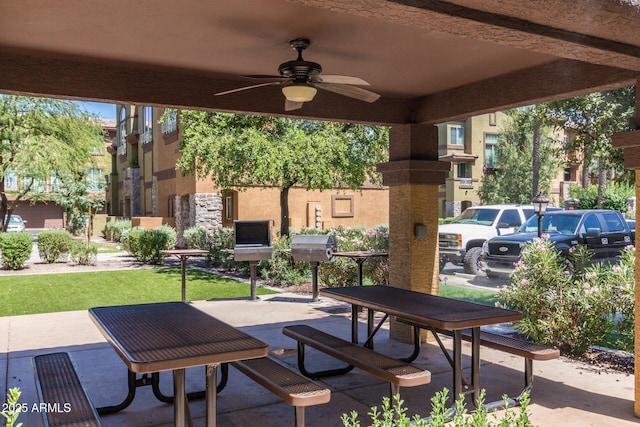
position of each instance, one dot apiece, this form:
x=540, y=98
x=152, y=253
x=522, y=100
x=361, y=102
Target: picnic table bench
x=58, y=384
x=288, y=385
x=530, y=351
x=397, y=373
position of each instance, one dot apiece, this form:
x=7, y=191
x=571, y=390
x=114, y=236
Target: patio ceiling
x=431, y=61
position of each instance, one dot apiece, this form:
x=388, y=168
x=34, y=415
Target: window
x=228, y=208
x=122, y=127
x=591, y=221
x=56, y=184
x=613, y=222
x=510, y=217
x=10, y=180
x=94, y=178
x=456, y=135
x=171, y=122
x=462, y=170
x=147, y=134
x=490, y=143
x=98, y=148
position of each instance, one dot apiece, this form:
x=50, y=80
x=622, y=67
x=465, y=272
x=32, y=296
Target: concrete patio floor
x=566, y=392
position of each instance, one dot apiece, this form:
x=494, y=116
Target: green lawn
x=474, y=295
x=48, y=293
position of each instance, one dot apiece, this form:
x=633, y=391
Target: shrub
x=221, y=250
x=15, y=249
x=196, y=238
x=377, y=240
x=281, y=269
x=84, y=253
x=54, y=245
x=571, y=310
x=396, y=415
x=615, y=196
x=145, y=245
x=113, y=230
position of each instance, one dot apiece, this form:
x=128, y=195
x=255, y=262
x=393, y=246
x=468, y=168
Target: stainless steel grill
x=252, y=243
x=313, y=248
x=252, y=240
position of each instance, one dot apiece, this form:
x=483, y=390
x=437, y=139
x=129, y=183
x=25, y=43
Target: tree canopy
x=512, y=179
x=240, y=151
x=41, y=140
x=591, y=120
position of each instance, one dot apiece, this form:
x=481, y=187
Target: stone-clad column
x=630, y=142
x=413, y=175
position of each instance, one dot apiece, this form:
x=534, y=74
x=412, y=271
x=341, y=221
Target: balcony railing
x=466, y=182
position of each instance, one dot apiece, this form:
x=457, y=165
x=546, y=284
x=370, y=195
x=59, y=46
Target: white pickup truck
x=460, y=241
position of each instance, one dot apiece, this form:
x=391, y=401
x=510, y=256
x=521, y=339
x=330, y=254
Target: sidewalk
x=566, y=392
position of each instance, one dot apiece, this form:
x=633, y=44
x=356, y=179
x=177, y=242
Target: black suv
x=605, y=232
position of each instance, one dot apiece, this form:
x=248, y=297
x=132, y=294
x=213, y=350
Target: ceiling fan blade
x=263, y=77
x=345, y=80
x=350, y=91
x=292, y=105
x=240, y=89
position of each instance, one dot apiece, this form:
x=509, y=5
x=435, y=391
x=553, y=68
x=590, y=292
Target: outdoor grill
x=313, y=248
x=252, y=240
x=252, y=243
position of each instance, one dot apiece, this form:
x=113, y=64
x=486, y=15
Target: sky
x=103, y=111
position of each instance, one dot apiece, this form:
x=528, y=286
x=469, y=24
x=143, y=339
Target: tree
x=512, y=181
x=73, y=196
x=240, y=151
x=41, y=139
x=593, y=119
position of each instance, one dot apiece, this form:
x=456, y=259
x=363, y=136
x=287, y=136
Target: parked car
x=605, y=232
x=460, y=241
x=16, y=223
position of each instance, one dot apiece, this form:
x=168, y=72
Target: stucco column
x=413, y=174
x=630, y=142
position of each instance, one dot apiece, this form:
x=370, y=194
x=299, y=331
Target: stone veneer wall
x=198, y=210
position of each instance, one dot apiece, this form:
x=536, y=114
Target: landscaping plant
x=396, y=415
x=15, y=249
x=54, y=245
x=572, y=308
x=145, y=244
x=83, y=252
x=114, y=230
x=13, y=408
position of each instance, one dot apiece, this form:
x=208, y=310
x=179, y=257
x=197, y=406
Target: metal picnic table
x=183, y=255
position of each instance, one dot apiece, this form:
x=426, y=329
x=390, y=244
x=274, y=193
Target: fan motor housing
x=299, y=69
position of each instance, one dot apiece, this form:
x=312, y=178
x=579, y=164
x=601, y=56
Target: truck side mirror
x=593, y=232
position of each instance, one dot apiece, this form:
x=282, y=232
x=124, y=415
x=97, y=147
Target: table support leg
x=457, y=364
x=183, y=268
x=475, y=364
x=354, y=323
x=212, y=371
x=314, y=281
x=179, y=403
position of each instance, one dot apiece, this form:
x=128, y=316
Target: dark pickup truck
x=605, y=232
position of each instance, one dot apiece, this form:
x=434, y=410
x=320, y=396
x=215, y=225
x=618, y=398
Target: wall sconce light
x=420, y=231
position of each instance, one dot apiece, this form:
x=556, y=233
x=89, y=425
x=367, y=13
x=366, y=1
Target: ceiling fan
x=301, y=80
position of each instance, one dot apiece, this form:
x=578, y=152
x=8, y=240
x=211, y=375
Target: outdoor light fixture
x=540, y=204
x=299, y=92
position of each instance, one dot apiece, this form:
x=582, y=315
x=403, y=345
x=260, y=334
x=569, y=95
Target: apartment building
x=470, y=146
x=144, y=182
x=45, y=213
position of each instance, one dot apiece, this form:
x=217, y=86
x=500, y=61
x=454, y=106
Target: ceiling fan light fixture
x=299, y=92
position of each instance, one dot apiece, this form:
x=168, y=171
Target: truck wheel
x=471, y=261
